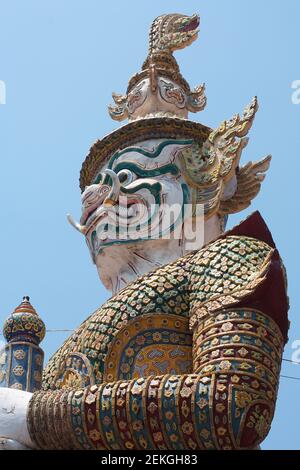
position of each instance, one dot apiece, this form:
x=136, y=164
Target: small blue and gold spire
x=21, y=359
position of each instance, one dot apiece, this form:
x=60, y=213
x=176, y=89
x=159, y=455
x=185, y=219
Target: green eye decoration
x=125, y=176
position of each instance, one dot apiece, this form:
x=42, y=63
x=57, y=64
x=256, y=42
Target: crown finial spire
x=159, y=86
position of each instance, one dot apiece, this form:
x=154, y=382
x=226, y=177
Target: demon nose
x=94, y=194
x=113, y=196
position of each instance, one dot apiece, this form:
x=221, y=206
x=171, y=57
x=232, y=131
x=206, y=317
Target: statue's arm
x=14, y=433
x=226, y=403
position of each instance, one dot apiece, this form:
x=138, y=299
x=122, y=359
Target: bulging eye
x=125, y=176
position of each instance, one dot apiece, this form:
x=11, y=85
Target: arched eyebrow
x=148, y=153
x=138, y=170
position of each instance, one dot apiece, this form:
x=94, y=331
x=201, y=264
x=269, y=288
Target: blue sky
x=60, y=60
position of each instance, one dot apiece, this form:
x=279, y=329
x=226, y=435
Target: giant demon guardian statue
x=186, y=354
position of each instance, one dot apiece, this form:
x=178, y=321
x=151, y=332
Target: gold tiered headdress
x=167, y=34
x=211, y=164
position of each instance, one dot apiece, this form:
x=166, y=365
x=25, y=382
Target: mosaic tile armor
x=186, y=357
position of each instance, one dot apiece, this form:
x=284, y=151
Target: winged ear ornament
x=248, y=182
x=229, y=139
x=240, y=185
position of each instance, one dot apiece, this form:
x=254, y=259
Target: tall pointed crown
x=168, y=33
x=156, y=104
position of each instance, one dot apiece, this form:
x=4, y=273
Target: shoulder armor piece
x=225, y=272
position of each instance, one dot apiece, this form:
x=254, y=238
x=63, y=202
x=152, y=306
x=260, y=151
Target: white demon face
x=153, y=202
x=139, y=195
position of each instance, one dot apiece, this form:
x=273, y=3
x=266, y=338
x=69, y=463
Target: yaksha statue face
x=133, y=194
x=140, y=202
x=162, y=185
